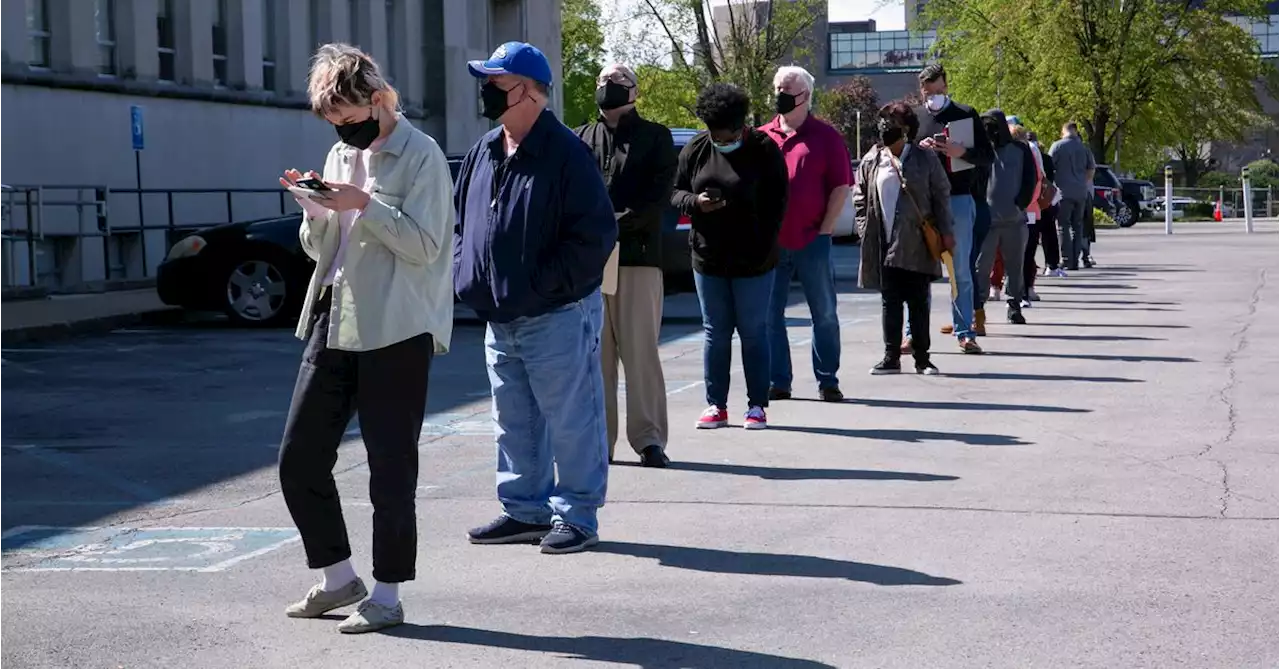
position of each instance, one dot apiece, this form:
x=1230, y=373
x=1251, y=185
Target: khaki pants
x=632, y=319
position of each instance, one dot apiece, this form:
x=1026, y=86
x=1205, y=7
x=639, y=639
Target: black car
x=1107, y=197
x=1138, y=195
x=257, y=273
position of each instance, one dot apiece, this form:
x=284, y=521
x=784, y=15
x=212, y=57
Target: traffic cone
x=1217, y=210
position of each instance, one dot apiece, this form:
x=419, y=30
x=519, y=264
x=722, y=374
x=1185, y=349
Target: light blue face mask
x=728, y=148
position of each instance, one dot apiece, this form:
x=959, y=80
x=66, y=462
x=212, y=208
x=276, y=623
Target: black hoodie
x=1013, y=173
x=980, y=154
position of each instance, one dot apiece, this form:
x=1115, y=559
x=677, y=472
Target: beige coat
x=905, y=249
x=397, y=275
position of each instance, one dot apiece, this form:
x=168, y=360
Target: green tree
x=664, y=97
x=1263, y=174
x=1121, y=68
x=581, y=51
x=742, y=42
x=851, y=108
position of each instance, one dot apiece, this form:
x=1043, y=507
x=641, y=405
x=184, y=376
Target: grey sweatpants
x=1010, y=237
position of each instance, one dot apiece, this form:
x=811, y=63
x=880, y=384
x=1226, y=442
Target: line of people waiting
x=528, y=237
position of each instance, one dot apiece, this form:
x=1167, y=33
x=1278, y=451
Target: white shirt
x=346, y=219
x=889, y=187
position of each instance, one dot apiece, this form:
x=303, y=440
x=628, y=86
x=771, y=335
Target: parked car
x=1138, y=195
x=1107, y=197
x=1180, y=206
x=257, y=273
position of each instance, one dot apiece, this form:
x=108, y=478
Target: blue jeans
x=548, y=414
x=812, y=265
x=730, y=304
x=965, y=228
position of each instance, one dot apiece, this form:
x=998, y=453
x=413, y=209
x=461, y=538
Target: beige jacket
x=397, y=276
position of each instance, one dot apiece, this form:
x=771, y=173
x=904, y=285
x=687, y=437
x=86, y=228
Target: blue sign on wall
x=135, y=126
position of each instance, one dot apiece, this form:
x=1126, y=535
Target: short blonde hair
x=343, y=75
x=1019, y=133
x=795, y=72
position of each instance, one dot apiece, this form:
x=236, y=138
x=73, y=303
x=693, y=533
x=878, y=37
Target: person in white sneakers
x=379, y=224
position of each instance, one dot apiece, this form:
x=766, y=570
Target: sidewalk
x=61, y=315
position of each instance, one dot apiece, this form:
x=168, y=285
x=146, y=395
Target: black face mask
x=493, y=101
x=612, y=95
x=359, y=134
x=785, y=102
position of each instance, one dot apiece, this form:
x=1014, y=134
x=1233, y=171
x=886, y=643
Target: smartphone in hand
x=314, y=184
x=940, y=138
x=713, y=193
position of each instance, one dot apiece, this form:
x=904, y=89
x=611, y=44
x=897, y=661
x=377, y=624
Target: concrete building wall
x=67, y=123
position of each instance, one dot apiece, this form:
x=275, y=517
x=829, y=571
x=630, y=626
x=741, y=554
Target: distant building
x=221, y=85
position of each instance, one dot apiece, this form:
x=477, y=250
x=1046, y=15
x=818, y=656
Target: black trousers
x=1047, y=230
x=899, y=287
x=387, y=387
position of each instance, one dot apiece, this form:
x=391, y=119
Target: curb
x=55, y=331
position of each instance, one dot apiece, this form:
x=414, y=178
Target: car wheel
x=1125, y=216
x=258, y=292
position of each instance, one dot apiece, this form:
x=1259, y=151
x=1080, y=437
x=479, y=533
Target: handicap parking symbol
x=200, y=549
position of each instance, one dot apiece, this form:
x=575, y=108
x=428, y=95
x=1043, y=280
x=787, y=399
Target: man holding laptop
x=955, y=131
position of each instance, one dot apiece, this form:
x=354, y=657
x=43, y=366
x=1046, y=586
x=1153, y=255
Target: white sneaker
x=1060, y=273
x=1026, y=304
x=1048, y=272
x=994, y=295
x=1033, y=295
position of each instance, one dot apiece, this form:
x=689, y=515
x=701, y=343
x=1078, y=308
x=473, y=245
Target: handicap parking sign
x=201, y=549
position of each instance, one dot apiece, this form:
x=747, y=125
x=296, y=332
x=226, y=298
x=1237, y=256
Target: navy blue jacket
x=533, y=231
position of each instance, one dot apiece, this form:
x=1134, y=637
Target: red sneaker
x=712, y=418
x=755, y=419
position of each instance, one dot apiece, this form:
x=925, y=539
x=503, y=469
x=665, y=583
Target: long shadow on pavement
x=963, y=406
x=806, y=474
x=1083, y=337
x=1040, y=306
x=1057, y=300
x=910, y=436
x=1010, y=376
x=1123, y=326
x=1101, y=357
x=772, y=564
x=639, y=652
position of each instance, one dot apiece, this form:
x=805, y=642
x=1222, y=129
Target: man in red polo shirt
x=820, y=176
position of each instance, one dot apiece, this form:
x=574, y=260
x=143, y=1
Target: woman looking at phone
x=731, y=182
x=379, y=307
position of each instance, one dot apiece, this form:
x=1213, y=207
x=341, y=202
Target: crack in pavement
x=1226, y=394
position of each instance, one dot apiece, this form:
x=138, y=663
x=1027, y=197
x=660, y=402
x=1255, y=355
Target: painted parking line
x=198, y=549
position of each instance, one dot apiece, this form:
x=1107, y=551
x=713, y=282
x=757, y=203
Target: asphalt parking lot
x=1099, y=490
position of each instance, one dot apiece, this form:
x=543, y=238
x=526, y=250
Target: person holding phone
x=379, y=225
x=731, y=180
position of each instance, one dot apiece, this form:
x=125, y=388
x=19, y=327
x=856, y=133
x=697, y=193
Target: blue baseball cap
x=516, y=58
x=1014, y=120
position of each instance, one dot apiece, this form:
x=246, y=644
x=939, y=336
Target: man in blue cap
x=534, y=231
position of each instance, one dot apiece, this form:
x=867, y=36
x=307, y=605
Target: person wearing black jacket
x=732, y=183
x=941, y=120
x=1010, y=189
x=638, y=160
x=1046, y=231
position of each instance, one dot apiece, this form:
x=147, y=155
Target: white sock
x=386, y=594
x=338, y=575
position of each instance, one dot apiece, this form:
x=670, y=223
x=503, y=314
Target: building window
x=164, y=39
x=38, y=33
x=104, y=30
x=891, y=50
x=220, y=43
x=269, y=45
x=390, y=65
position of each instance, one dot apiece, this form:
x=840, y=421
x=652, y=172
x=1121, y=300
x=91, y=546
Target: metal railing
x=31, y=217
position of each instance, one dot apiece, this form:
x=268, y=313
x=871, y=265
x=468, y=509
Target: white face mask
x=935, y=103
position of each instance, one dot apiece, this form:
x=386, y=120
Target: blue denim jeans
x=548, y=414
x=981, y=226
x=963, y=215
x=964, y=224
x=730, y=304
x=812, y=265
